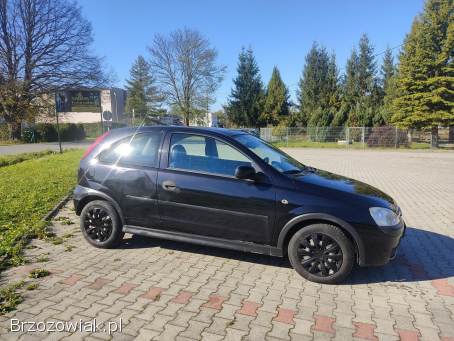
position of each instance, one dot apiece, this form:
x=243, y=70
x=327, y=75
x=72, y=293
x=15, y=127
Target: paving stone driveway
x=175, y=291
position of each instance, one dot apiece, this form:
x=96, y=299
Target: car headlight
x=384, y=216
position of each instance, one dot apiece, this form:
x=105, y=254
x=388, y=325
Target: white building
x=209, y=119
x=91, y=106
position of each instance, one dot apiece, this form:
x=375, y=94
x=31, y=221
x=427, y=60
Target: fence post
x=287, y=135
x=347, y=136
x=395, y=138
x=363, y=136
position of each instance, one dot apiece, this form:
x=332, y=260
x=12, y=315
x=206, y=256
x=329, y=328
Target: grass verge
x=29, y=190
x=335, y=145
x=9, y=160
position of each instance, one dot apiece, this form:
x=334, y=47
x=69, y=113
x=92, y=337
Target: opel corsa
x=230, y=189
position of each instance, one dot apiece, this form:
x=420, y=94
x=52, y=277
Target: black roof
x=218, y=131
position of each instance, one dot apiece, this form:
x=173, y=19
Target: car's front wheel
x=321, y=253
x=100, y=224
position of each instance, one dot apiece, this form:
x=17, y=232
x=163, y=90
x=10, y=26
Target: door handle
x=169, y=185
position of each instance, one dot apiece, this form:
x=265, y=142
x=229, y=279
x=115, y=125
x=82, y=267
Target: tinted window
x=204, y=154
x=140, y=149
x=271, y=155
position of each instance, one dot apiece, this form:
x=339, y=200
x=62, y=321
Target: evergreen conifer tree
x=425, y=78
x=143, y=96
x=349, y=94
x=388, y=72
x=276, y=101
x=317, y=94
x=247, y=96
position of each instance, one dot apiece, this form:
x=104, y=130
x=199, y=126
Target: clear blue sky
x=280, y=31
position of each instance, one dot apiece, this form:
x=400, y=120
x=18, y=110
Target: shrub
x=92, y=130
x=4, y=132
x=46, y=132
x=72, y=132
x=280, y=131
x=28, y=135
x=386, y=137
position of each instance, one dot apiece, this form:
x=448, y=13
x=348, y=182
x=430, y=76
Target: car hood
x=331, y=181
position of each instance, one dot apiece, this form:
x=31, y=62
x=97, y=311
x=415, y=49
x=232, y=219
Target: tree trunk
x=451, y=134
x=186, y=114
x=15, y=130
x=434, y=137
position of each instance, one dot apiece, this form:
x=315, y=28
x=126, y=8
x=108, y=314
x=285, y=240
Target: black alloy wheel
x=320, y=255
x=98, y=224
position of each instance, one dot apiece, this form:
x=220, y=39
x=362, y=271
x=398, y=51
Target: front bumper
x=381, y=247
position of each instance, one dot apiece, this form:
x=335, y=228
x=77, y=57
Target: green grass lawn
x=312, y=144
x=8, y=160
x=28, y=190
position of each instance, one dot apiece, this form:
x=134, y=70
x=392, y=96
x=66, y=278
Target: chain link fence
x=355, y=137
x=324, y=137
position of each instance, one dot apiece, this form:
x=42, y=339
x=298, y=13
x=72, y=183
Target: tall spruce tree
x=247, y=96
x=276, y=101
x=370, y=96
x=388, y=68
x=388, y=71
x=143, y=95
x=425, y=80
x=362, y=95
x=317, y=93
x=349, y=93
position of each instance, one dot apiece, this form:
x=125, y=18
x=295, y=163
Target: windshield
x=271, y=155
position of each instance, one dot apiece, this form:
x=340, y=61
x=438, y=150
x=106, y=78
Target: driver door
x=198, y=193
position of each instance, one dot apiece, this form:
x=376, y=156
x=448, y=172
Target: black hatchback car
x=230, y=189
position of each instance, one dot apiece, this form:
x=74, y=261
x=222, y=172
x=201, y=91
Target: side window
x=139, y=149
x=226, y=152
x=204, y=154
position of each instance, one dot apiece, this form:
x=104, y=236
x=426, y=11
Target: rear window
x=139, y=149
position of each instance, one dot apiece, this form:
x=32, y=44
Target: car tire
x=100, y=224
x=321, y=253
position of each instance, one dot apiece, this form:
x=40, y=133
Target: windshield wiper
x=293, y=171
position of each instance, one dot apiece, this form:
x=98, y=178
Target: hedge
x=47, y=132
x=387, y=136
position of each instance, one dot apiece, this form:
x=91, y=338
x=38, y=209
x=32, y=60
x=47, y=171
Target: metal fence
x=354, y=137
x=333, y=137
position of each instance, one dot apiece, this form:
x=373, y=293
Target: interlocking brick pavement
x=166, y=290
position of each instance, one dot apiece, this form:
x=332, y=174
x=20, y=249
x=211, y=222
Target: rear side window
x=204, y=154
x=140, y=149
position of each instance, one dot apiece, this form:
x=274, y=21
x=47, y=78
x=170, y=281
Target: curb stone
x=53, y=212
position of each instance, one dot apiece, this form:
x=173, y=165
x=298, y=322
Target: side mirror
x=245, y=173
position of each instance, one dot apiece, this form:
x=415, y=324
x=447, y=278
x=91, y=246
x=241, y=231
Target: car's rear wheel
x=100, y=224
x=321, y=253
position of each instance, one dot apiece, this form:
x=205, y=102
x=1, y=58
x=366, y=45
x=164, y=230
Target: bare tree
x=44, y=46
x=185, y=66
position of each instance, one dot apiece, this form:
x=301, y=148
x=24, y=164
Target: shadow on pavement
x=422, y=255
x=137, y=242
